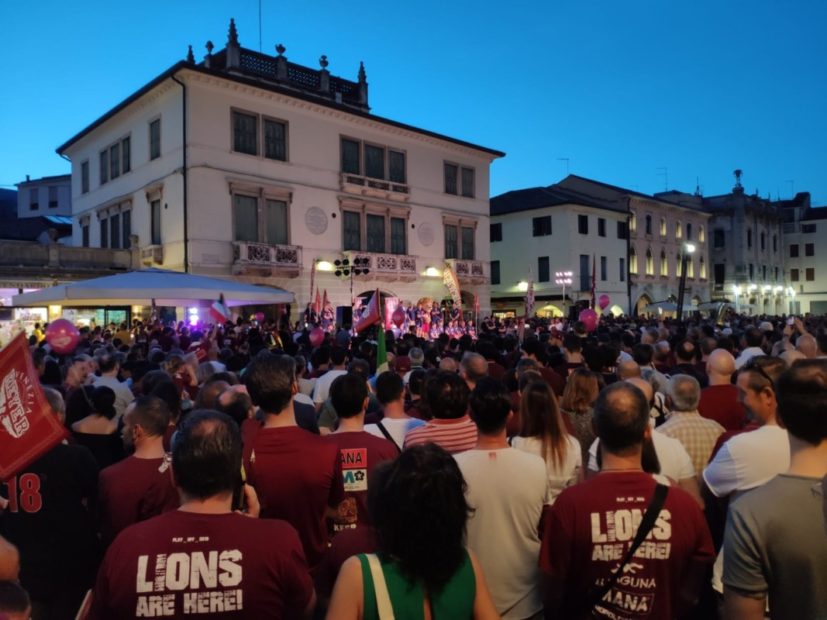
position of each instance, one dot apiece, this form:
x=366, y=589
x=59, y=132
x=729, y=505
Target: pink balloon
x=62, y=336
x=260, y=317
x=603, y=301
x=398, y=317
x=589, y=319
x=316, y=336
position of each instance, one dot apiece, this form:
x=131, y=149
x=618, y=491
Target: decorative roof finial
x=280, y=49
x=323, y=62
x=210, y=48
x=190, y=56
x=232, y=37
x=738, y=174
x=362, y=75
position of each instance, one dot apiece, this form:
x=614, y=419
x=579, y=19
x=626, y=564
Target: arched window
x=663, y=227
x=702, y=268
x=678, y=230
x=648, y=224
x=690, y=267
x=664, y=264
x=632, y=261
x=763, y=241
x=688, y=231
x=650, y=263
x=633, y=223
x=749, y=237
x=701, y=234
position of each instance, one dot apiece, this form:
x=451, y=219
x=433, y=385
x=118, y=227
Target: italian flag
x=219, y=312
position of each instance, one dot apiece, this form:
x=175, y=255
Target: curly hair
x=418, y=507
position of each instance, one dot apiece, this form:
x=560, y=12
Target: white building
x=47, y=196
x=538, y=232
x=805, y=252
x=247, y=165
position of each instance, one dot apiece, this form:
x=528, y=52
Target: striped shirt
x=455, y=435
x=698, y=435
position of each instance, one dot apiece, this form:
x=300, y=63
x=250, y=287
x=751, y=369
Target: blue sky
x=623, y=90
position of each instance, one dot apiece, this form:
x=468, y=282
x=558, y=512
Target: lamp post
x=563, y=278
x=688, y=250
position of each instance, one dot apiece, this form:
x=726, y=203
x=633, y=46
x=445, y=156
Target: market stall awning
x=167, y=288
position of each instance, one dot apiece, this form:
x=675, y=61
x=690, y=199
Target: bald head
x=720, y=367
x=792, y=356
x=644, y=386
x=807, y=345
x=448, y=364
x=628, y=369
x=473, y=367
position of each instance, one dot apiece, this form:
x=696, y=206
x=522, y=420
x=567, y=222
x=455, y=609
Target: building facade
x=660, y=232
x=541, y=233
x=246, y=165
x=805, y=257
x=47, y=196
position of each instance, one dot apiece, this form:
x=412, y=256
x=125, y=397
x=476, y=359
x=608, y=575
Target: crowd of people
x=641, y=470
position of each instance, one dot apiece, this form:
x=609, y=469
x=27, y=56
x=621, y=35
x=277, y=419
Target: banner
x=452, y=284
x=371, y=314
x=391, y=304
x=529, y=299
x=28, y=428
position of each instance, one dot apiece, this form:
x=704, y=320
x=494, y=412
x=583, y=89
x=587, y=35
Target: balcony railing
x=152, y=255
x=264, y=259
x=378, y=188
x=387, y=267
x=468, y=271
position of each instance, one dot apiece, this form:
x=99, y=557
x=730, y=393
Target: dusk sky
x=622, y=92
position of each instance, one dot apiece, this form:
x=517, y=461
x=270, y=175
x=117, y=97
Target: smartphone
x=791, y=321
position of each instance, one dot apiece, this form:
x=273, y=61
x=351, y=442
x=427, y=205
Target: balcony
x=152, y=255
x=262, y=259
x=375, y=188
x=387, y=267
x=468, y=271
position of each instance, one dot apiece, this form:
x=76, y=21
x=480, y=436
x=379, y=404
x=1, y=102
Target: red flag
x=372, y=315
x=28, y=428
x=317, y=304
x=476, y=303
x=325, y=302
x=219, y=312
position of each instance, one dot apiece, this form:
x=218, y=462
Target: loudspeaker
x=344, y=316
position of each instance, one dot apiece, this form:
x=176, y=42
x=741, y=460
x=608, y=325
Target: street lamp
x=688, y=250
x=563, y=278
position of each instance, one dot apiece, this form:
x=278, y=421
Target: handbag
x=383, y=598
x=657, y=502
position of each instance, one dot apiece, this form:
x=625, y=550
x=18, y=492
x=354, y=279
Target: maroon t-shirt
x=359, y=454
x=297, y=476
x=183, y=564
x=133, y=490
x=554, y=380
x=592, y=525
x=346, y=544
x=720, y=403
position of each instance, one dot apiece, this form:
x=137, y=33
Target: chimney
x=233, y=48
x=281, y=62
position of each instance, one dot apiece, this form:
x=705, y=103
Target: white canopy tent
x=165, y=288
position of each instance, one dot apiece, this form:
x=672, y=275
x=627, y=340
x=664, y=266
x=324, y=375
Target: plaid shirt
x=697, y=434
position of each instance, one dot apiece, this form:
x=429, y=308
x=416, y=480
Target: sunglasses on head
x=754, y=364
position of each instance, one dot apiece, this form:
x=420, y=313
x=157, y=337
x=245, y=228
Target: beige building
x=246, y=165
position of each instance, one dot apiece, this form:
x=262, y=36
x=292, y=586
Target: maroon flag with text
x=28, y=428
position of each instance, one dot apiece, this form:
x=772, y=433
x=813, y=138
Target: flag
x=317, y=304
x=449, y=278
x=381, y=351
x=529, y=299
x=312, y=278
x=325, y=302
x=219, y=312
x=594, y=267
x=476, y=304
x=372, y=315
x=28, y=428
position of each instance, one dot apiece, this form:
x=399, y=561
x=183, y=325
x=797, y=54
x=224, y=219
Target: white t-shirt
x=396, y=427
x=558, y=477
x=323, y=383
x=748, y=460
x=123, y=395
x=507, y=489
x=675, y=461
x=303, y=398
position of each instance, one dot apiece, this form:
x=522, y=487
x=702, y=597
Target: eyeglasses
x=754, y=364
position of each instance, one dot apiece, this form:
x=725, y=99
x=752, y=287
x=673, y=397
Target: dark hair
x=447, y=395
x=206, y=454
x=103, y=402
x=417, y=503
x=359, y=367
x=269, y=380
x=754, y=337
x=686, y=351
x=153, y=378
x=620, y=417
x=13, y=598
x=389, y=387
x=347, y=394
x=338, y=356
x=238, y=406
x=416, y=381
x=107, y=363
x=540, y=417
x=151, y=413
x=490, y=405
x=170, y=394
x=643, y=354
x=532, y=346
x=764, y=371
x=802, y=400
x=572, y=342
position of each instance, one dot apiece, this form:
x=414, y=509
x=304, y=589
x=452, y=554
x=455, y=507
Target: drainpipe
x=184, y=170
